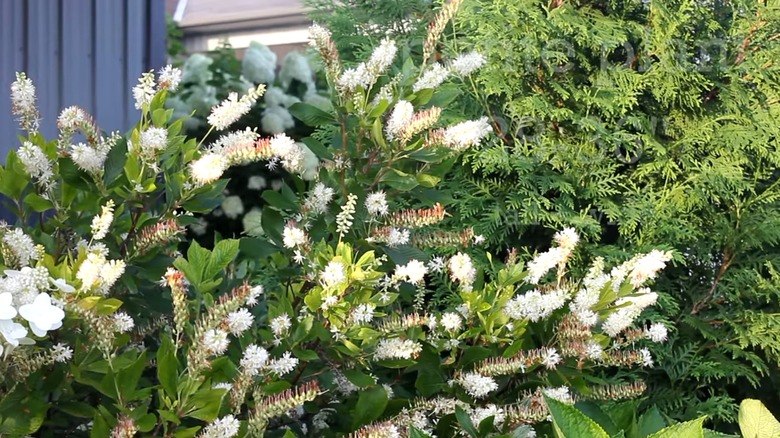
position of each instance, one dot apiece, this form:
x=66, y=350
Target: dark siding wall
x=78, y=52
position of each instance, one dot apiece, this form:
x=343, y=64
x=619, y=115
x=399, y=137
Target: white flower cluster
x=402, y=114
x=365, y=74
x=396, y=348
x=376, y=204
x=20, y=246
x=560, y=393
x=23, y=102
x=233, y=108
x=102, y=222
x=413, y=272
x=144, y=92
x=225, y=427
x=98, y=274
x=36, y=164
x=463, y=65
x=491, y=410
x=91, y=158
x=462, y=270
x=624, y=316
x=466, y=134
x=535, y=305
x=293, y=237
x=318, y=199
x=554, y=257
x=208, y=168
x=151, y=143
x=345, y=216
x=333, y=274
x=26, y=295
x=656, y=332
x=477, y=385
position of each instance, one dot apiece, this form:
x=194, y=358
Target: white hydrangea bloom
x=256, y=182
x=41, y=315
x=276, y=120
x=259, y=64
x=296, y=67
x=232, y=206
x=253, y=222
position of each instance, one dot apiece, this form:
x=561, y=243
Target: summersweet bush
x=208, y=79
x=356, y=313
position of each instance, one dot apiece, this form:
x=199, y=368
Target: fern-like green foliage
x=643, y=123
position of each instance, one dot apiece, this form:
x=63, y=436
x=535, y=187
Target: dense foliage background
x=640, y=123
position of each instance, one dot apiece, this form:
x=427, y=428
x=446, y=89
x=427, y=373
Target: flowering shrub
x=209, y=78
x=354, y=314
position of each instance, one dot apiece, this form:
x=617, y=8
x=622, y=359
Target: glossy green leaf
x=571, y=423
x=167, y=366
x=689, y=429
x=371, y=404
x=310, y=114
x=755, y=420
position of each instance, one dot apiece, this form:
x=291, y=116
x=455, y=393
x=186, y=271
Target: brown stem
x=704, y=302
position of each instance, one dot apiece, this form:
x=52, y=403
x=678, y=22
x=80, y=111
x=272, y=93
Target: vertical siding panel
x=110, y=105
x=135, y=48
x=43, y=59
x=157, y=32
x=77, y=54
x=12, y=49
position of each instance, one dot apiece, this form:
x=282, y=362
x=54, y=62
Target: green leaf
x=651, y=422
x=115, y=161
x=127, y=379
x=426, y=180
x=595, y=413
x=370, y=405
x=465, y=422
x=359, y=378
x=168, y=366
x=689, y=429
x=37, y=202
x=444, y=95
x=205, y=404
x=399, y=180
x=310, y=114
x=755, y=420
x=417, y=433
x=571, y=423
x=276, y=200
x=187, y=433
x=23, y=418
x=224, y=253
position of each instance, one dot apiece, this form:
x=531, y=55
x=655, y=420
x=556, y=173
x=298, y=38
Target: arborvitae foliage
x=358, y=25
x=644, y=123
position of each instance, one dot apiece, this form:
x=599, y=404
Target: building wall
x=78, y=52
